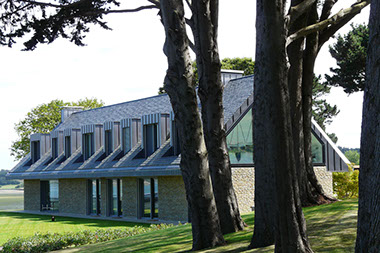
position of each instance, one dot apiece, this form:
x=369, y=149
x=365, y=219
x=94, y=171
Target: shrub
x=346, y=184
x=48, y=242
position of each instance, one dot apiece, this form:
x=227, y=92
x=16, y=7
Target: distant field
x=8, y=187
x=11, y=200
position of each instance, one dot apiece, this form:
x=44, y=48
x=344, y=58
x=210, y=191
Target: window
x=49, y=195
x=95, y=197
x=108, y=142
x=116, y=197
x=148, y=198
x=316, y=150
x=240, y=141
x=150, y=139
x=88, y=148
x=54, y=147
x=35, y=152
x=126, y=141
x=67, y=146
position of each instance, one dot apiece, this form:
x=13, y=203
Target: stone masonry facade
x=73, y=196
x=130, y=193
x=32, y=195
x=243, y=180
x=325, y=178
x=172, y=199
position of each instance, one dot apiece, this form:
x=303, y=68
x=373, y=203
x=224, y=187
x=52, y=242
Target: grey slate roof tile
x=235, y=94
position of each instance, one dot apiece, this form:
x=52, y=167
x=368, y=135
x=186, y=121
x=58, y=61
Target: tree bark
x=274, y=143
x=368, y=229
x=205, y=27
x=180, y=87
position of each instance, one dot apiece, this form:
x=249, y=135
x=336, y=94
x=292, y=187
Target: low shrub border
x=49, y=242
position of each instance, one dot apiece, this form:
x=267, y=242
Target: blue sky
x=128, y=63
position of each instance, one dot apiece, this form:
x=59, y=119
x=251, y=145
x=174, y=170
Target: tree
x=349, y=51
x=71, y=21
x=353, y=156
x=368, y=228
x=43, y=119
x=306, y=29
x=246, y=64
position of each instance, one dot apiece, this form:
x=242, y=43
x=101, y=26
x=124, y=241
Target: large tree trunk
x=180, y=87
x=276, y=153
x=205, y=27
x=368, y=232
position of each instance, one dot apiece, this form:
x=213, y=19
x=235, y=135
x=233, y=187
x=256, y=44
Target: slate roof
x=235, y=93
x=237, y=99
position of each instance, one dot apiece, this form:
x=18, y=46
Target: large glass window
x=116, y=197
x=240, y=141
x=126, y=135
x=88, y=142
x=49, y=195
x=150, y=198
x=95, y=197
x=316, y=150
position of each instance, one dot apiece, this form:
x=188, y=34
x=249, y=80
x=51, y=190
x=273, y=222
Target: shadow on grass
x=71, y=221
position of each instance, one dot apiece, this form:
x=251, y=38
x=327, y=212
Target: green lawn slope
x=331, y=228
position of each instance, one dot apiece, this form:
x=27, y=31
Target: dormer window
x=88, y=145
x=156, y=130
x=35, y=151
x=92, y=139
x=67, y=146
x=72, y=140
x=111, y=136
x=130, y=133
x=39, y=145
x=54, y=148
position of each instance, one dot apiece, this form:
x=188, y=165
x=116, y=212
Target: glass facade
x=95, y=193
x=116, y=197
x=54, y=147
x=150, y=203
x=54, y=194
x=316, y=150
x=240, y=141
x=35, y=152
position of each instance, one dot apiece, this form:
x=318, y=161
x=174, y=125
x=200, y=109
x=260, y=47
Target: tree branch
x=146, y=7
x=296, y=11
x=332, y=24
x=326, y=10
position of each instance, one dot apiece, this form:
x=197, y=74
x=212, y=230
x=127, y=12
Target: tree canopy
x=43, y=119
x=349, y=51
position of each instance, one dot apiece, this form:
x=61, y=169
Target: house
x=123, y=160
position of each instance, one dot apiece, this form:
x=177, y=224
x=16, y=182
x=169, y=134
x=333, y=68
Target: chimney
x=66, y=111
x=227, y=75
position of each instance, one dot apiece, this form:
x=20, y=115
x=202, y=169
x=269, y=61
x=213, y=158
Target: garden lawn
x=331, y=228
x=21, y=224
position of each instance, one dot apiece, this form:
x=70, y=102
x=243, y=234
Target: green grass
x=21, y=224
x=331, y=228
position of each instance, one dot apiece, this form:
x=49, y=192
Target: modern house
x=123, y=160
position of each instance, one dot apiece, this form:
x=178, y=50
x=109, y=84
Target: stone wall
x=104, y=199
x=32, y=195
x=243, y=180
x=73, y=196
x=325, y=179
x=129, y=196
x=172, y=199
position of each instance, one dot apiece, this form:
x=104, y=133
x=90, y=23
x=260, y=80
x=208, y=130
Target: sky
x=128, y=63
